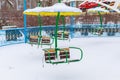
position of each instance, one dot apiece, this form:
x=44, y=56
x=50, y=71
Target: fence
x=16, y=35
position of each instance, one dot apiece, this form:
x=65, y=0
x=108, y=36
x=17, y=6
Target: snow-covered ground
x=101, y=61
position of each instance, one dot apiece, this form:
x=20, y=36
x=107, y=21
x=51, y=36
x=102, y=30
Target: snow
x=36, y=9
x=98, y=9
x=101, y=61
x=61, y=7
x=58, y=7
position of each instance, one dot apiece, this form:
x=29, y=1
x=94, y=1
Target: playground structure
x=64, y=55
x=52, y=53
x=89, y=21
x=97, y=10
x=58, y=55
x=63, y=35
x=111, y=4
x=99, y=6
x=39, y=38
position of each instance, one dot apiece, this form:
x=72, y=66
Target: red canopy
x=88, y=5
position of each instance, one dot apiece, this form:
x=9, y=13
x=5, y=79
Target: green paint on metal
x=40, y=29
x=81, y=52
x=39, y=3
x=56, y=30
x=49, y=57
x=63, y=21
x=100, y=19
x=101, y=25
x=59, y=1
x=40, y=25
x=66, y=56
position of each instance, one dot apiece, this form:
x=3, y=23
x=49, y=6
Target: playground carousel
x=94, y=8
x=57, y=54
x=38, y=39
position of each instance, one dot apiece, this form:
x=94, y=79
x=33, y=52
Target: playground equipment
x=59, y=9
x=64, y=55
x=38, y=39
x=99, y=11
x=110, y=4
x=63, y=35
x=94, y=7
x=41, y=40
x=98, y=7
x=60, y=55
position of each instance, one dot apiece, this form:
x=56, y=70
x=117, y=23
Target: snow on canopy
x=98, y=9
x=53, y=10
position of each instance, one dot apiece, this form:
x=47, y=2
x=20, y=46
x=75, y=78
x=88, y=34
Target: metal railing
x=16, y=35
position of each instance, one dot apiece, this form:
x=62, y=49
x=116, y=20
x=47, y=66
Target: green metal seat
x=63, y=35
x=62, y=57
x=33, y=39
x=45, y=40
x=40, y=40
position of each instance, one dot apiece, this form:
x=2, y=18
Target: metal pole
x=40, y=24
x=72, y=21
x=25, y=22
x=101, y=25
x=56, y=30
x=39, y=20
